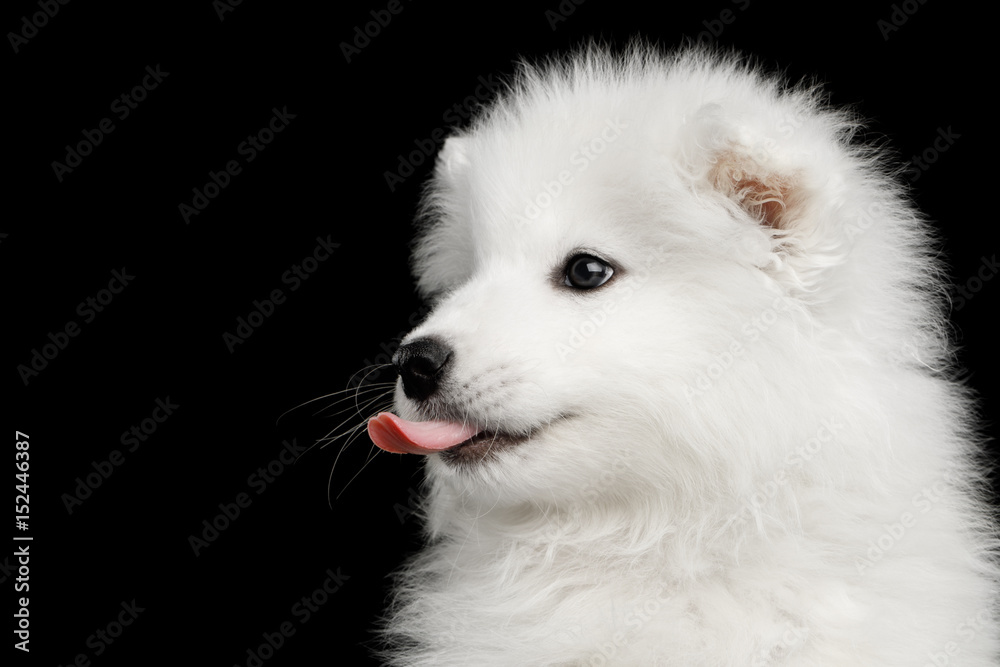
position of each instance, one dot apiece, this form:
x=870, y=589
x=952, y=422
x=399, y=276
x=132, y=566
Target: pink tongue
x=404, y=437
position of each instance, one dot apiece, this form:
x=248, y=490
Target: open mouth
x=454, y=441
x=481, y=446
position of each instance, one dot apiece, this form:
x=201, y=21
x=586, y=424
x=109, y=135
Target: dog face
x=600, y=254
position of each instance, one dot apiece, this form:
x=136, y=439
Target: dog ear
x=749, y=159
x=763, y=194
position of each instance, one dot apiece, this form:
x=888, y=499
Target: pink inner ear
x=765, y=201
x=764, y=196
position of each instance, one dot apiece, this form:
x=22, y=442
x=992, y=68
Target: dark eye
x=587, y=272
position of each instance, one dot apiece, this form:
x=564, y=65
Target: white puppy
x=685, y=396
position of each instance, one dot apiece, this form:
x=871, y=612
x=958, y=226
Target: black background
x=322, y=176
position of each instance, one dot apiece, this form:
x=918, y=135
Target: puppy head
x=628, y=261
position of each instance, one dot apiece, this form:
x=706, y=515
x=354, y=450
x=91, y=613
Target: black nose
x=421, y=363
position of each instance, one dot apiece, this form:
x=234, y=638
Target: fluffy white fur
x=750, y=445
